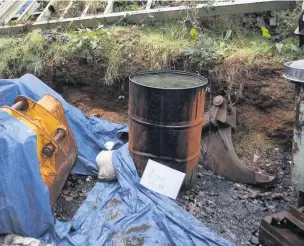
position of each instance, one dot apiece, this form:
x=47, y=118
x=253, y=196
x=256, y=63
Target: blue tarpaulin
x=114, y=213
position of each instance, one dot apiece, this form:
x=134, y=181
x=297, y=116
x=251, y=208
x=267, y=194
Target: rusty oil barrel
x=166, y=111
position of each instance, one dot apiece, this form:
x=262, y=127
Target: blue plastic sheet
x=91, y=133
x=23, y=195
x=117, y=213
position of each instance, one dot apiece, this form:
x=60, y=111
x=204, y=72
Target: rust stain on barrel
x=165, y=124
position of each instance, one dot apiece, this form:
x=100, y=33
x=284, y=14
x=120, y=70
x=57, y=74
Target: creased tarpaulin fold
x=114, y=213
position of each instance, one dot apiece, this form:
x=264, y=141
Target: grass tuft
x=21, y=55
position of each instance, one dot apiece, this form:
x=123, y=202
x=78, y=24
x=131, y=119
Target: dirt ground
x=234, y=211
x=104, y=103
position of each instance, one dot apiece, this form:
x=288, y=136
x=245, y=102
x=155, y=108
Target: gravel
x=233, y=210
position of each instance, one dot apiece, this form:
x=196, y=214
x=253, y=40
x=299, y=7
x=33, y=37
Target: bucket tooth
x=217, y=147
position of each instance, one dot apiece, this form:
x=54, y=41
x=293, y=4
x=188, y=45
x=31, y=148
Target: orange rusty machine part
x=56, y=146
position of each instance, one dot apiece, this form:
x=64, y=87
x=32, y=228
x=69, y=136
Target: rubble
x=261, y=195
x=73, y=194
x=255, y=158
x=15, y=240
x=235, y=210
x=214, y=201
x=254, y=240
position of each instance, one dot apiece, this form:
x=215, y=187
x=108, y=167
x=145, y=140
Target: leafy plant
x=193, y=33
x=204, y=52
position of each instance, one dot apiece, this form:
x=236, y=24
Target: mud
x=263, y=142
x=107, y=103
x=268, y=105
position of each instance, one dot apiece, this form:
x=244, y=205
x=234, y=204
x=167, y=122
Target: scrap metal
x=217, y=146
x=283, y=229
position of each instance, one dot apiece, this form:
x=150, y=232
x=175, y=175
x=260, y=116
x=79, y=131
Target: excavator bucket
x=217, y=151
x=56, y=146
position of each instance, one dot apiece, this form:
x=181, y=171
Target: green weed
x=21, y=55
x=119, y=51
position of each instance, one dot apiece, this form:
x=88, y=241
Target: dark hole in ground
x=234, y=211
x=98, y=100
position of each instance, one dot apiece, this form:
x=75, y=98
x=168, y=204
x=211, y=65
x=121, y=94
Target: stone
x=68, y=198
x=213, y=194
x=272, y=207
x=89, y=178
x=277, y=196
x=222, y=230
x=254, y=240
x=255, y=158
x=209, y=210
x=211, y=203
x=12, y=239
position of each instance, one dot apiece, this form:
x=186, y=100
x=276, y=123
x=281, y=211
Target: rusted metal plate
x=283, y=229
x=165, y=124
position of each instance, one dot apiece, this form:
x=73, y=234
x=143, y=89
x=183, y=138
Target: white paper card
x=162, y=179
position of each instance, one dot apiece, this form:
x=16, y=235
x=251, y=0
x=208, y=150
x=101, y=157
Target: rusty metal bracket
x=217, y=145
x=283, y=229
